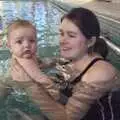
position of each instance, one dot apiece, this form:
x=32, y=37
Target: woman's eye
x=71, y=35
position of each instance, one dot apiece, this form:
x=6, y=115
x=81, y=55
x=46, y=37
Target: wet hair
x=88, y=24
x=19, y=23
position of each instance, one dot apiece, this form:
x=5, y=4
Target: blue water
x=43, y=15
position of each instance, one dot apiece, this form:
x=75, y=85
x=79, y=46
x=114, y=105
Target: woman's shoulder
x=101, y=71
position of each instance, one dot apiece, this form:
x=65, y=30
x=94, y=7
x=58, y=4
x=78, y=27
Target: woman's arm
x=84, y=95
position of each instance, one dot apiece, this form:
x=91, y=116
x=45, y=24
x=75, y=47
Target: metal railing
x=112, y=46
x=110, y=28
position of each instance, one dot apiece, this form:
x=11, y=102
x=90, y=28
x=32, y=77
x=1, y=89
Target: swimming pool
x=46, y=17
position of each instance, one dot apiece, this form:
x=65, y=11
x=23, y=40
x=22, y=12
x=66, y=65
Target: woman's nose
x=63, y=39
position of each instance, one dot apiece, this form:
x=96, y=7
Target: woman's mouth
x=65, y=49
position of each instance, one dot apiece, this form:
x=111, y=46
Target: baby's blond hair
x=19, y=23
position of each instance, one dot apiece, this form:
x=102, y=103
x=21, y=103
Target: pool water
x=46, y=17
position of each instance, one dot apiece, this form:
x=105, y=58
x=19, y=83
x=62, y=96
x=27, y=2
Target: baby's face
x=22, y=42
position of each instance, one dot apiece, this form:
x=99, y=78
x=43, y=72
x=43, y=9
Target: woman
x=80, y=43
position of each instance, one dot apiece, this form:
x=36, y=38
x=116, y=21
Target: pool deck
x=109, y=9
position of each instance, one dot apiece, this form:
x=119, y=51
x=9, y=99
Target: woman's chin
x=66, y=56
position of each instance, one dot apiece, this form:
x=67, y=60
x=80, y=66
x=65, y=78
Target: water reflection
x=43, y=15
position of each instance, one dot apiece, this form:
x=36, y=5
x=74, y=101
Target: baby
x=21, y=40
x=22, y=43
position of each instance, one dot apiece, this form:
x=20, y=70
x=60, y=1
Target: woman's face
x=73, y=44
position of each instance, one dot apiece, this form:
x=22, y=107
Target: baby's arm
x=20, y=75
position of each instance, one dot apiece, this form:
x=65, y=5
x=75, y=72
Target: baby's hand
x=18, y=73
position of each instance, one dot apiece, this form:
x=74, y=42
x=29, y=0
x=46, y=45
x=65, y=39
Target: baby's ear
x=9, y=46
x=1, y=44
x=8, y=43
